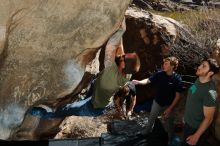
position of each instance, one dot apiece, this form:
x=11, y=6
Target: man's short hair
x=213, y=65
x=173, y=61
x=122, y=91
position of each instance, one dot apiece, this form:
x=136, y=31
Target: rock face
x=153, y=37
x=42, y=40
x=43, y=44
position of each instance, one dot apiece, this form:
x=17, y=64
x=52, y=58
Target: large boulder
x=153, y=37
x=41, y=40
x=42, y=130
x=45, y=45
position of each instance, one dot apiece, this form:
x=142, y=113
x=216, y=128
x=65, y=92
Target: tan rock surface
x=45, y=44
x=81, y=127
x=42, y=39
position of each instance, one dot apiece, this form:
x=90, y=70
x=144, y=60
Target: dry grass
x=204, y=24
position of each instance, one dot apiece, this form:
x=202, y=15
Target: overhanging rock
x=43, y=45
x=40, y=41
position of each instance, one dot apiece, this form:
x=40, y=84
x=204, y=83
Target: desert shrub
x=204, y=24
